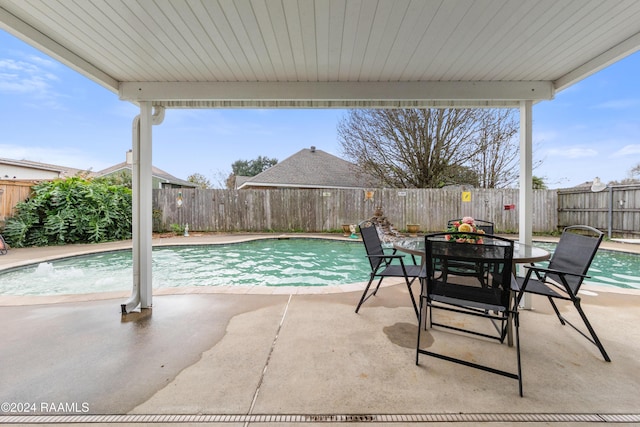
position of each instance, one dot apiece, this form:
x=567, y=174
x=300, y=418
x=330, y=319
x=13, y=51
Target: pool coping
x=25, y=256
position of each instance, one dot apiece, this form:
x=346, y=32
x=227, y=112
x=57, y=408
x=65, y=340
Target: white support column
x=145, y=224
x=525, y=208
x=141, y=184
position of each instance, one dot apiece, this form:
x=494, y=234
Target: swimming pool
x=266, y=262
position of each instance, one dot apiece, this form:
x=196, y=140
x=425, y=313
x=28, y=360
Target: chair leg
x=555, y=308
x=420, y=320
x=364, y=296
x=378, y=286
x=516, y=322
x=595, y=339
x=413, y=299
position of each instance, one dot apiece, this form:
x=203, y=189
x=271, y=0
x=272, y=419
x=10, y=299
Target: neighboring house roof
x=311, y=168
x=63, y=171
x=155, y=173
x=241, y=179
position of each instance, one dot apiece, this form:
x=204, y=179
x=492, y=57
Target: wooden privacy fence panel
x=615, y=209
x=318, y=210
x=432, y=208
x=11, y=193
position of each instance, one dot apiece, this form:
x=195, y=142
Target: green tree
x=201, y=180
x=428, y=148
x=73, y=210
x=249, y=168
x=538, y=183
x=123, y=178
x=252, y=167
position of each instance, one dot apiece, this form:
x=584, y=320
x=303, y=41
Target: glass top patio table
x=522, y=253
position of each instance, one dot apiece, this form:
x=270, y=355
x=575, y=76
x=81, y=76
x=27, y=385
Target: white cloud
x=23, y=77
x=619, y=104
x=32, y=79
x=572, y=152
x=59, y=156
x=627, y=150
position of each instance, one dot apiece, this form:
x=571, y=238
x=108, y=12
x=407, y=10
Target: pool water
x=268, y=262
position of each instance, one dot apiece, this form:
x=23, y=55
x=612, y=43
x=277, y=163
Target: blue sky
x=51, y=114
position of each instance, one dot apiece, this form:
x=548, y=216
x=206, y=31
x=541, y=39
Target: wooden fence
x=12, y=192
x=615, y=209
x=329, y=209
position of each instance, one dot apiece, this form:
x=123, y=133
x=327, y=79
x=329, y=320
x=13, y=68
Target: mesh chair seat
x=539, y=288
x=468, y=296
x=396, y=271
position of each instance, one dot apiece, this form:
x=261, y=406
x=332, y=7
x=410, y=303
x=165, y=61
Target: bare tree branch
x=427, y=148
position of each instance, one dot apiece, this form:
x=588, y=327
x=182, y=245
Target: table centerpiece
x=465, y=225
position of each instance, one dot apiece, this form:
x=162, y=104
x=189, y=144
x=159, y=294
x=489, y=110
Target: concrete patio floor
x=302, y=359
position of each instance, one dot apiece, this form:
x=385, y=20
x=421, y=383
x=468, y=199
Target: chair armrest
x=563, y=285
x=386, y=256
x=554, y=271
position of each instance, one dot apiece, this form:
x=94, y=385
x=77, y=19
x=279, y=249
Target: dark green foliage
x=252, y=167
x=73, y=210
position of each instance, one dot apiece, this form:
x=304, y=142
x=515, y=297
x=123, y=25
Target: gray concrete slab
x=215, y=354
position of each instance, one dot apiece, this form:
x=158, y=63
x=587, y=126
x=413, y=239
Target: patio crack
x=266, y=364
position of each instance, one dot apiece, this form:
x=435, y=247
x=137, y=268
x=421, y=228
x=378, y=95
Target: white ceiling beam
x=25, y=32
x=340, y=104
x=614, y=54
x=338, y=91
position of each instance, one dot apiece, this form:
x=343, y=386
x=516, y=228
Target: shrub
x=73, y=210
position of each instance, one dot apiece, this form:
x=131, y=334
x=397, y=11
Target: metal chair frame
x=3, y=246
x=563, y=277
x=448, y=291
x=382, y=265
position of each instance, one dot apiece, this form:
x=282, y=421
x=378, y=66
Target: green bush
x=177, y=229
x=74, y=210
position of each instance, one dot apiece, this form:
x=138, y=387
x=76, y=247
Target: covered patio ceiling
x=330, y=53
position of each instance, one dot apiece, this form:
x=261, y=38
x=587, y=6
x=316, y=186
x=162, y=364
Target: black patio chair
x=384, y=265
x=3, y=246
x=493, y=300
x=468, y=268
x=563, y=277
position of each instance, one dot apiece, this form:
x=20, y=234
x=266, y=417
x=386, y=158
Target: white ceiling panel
x=415, y=49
